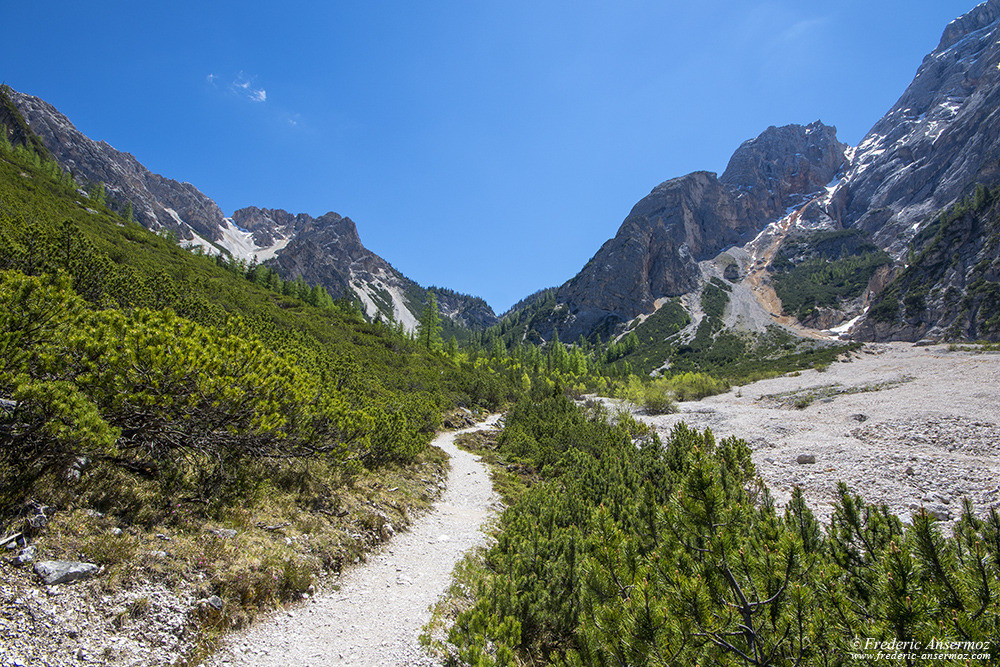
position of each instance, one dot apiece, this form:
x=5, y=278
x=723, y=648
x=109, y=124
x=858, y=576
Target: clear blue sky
x=489, y=147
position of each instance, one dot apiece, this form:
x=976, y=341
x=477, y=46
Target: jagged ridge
x=326, y=251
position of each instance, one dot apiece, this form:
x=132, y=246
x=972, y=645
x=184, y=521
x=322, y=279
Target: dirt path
x=375, y=616
x=907, y=426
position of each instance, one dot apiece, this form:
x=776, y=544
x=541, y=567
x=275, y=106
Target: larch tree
x=430, y=324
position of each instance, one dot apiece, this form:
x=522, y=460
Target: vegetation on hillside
x=964, y=299
x=625, y=550
x=172, y=393
x=824, y=269
x=657, y=345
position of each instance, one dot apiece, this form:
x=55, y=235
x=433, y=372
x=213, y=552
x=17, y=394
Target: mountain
x=157, y=202
x=326, y=250
x=951, y=287
x=935, y=146
x=940, y=139
x=690, y=219
x=788, y=190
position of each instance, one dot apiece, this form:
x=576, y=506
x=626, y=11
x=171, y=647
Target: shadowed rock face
x=783, y=168
x=950, y=291
x=692, y=218
x=328, y=251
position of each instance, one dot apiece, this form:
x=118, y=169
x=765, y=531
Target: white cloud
x=245, y=86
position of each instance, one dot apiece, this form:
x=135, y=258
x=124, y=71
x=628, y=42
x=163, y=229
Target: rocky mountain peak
x=158, y=202
x=783, y=165
x=938, y=140
x=338, y=224
x=692, y=218
x=981, y=16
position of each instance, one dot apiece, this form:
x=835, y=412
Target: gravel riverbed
x=902, y=425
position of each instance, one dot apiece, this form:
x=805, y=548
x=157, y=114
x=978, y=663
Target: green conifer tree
x=430, y=324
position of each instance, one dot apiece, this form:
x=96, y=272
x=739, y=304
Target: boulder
x=64, y=571
x=939, y=512
x=26, y=556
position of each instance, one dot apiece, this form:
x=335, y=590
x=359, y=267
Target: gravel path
x=902, y=425
x=376, y=614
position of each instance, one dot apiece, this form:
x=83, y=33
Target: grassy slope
x=330, y=512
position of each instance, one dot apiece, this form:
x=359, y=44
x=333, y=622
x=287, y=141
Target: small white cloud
x=245, y=86
x=211, y=79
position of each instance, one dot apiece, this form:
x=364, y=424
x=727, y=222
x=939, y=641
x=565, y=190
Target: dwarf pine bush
x=637, y=551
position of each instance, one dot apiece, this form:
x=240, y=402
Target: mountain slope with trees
x=325, y=251
x=934, y=147
x=169, y=393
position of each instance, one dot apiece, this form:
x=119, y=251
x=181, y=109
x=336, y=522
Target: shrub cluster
x=659, y=395
x=155, y=393
x=633, y=551
x=120, y=349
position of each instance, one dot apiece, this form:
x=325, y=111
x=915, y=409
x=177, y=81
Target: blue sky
x=488, y=147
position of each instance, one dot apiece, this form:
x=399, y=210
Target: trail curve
x=375, y=616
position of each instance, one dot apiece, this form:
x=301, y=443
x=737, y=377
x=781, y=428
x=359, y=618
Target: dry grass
x=265, y=549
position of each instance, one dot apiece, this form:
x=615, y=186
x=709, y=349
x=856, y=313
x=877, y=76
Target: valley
x=760, y=424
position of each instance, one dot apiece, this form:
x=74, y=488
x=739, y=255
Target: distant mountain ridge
x=934, y=146
x=326, y=250
x=690, y=219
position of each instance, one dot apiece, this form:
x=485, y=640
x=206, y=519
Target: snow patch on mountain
x=197, y=241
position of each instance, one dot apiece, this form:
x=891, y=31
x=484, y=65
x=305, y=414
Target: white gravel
x=67, y=625
x=920, y=431
x=378, y=608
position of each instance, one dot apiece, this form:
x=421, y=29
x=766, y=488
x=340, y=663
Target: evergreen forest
x=621, y=549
